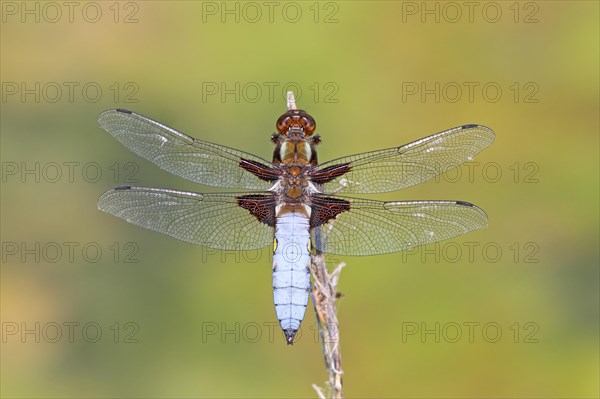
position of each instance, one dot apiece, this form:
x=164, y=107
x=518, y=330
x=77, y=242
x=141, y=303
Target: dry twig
x=324, y=299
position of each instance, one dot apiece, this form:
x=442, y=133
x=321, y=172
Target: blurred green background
x=509, y=311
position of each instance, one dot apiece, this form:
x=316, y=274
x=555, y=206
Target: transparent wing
x=377, y=227
x=182, y=155
x=400, y=167
x=210, y=220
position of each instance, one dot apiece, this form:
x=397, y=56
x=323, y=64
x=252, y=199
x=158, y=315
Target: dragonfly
x=292, y=202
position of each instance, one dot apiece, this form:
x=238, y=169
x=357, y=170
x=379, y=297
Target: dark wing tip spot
x=125, y=111
x=123, y=188
x=470, y=126
x=464, y=203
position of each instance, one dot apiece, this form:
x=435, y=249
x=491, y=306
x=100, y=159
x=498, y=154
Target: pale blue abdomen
x=291, y=273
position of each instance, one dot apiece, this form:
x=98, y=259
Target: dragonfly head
x=296, y=121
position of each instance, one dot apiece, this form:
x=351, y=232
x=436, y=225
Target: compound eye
x=309, y=124
x=282, y=123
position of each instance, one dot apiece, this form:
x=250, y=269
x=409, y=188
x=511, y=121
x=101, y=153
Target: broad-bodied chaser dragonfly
x=292, y=201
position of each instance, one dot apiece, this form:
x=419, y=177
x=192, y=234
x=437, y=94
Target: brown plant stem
x=324, y=300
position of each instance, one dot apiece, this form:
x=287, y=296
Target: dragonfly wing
x=354, y=226
x=195, y=160
x=226, y=221
x=400, y=167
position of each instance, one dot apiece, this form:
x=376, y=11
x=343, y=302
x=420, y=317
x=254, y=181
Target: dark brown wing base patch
x=259, y=170
x=326, y=208
x=262, y=207
x=325, y=175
